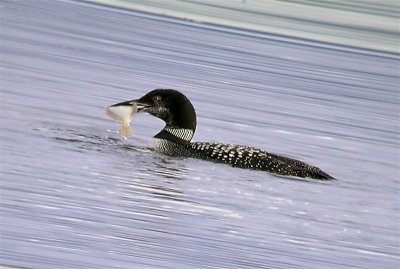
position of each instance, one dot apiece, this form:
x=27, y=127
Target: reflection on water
x=74, y=194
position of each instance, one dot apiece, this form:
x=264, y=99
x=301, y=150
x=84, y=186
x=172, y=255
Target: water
x=76, y=195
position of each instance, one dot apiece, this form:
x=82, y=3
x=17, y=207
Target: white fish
x=123, y=114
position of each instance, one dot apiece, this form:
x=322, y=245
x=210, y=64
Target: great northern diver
x=178, y=113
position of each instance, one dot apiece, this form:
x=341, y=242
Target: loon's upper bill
x=179, y=116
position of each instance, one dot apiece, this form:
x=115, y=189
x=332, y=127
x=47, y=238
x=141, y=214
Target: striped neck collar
x=179, y=136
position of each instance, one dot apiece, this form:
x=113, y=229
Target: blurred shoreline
x=369, y=25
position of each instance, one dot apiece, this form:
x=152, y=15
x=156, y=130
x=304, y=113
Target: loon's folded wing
x=252, y=158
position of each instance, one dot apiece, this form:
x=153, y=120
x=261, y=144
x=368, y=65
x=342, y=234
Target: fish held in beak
x=123, y=113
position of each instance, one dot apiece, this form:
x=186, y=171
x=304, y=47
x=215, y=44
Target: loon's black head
x=172, y=107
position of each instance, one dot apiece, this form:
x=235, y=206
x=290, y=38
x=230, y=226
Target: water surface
x=76, y=195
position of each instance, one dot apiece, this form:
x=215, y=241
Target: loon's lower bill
x=175, y=139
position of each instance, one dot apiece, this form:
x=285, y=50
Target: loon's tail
x=312, y=172
x=302, y=169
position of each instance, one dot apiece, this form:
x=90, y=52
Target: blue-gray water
x=76, y=195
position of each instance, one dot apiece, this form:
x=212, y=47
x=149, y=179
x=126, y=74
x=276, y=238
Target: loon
x=179, y=115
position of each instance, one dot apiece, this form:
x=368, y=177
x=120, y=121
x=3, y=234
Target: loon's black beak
x=140, y=105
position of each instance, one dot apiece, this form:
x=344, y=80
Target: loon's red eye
x=157, y=99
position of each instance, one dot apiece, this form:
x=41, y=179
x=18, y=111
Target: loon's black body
x=175, y=139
